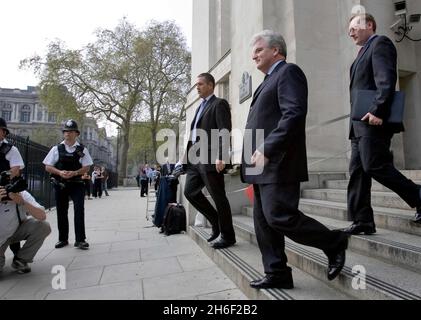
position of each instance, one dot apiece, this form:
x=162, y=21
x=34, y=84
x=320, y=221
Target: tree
x=47, y=136
x=124, y=76
x=167, y=77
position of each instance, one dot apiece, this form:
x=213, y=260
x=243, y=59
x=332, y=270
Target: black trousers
x=88, y=187
x=371, y=158
x=221, y=217
x=76, y=192
x=143, y=187
x=97, y=190
x=276, y=215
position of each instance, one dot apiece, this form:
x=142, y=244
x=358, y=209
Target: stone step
x=378, y=199
x=343, y=185
x=412, y=174
x=383, y=280
x=399, y=248
x=242, y=264
x=385, y=218
x=392, y=247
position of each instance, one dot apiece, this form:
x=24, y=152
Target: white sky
x=28, y=26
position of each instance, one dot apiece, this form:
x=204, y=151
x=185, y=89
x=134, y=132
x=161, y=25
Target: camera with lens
x=14, y=185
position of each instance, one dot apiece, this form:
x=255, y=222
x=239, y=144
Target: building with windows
x=27, y=117
x=316, y=33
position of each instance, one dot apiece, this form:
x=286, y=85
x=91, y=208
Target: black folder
x=363, y=101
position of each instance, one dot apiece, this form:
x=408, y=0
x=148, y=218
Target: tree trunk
x=154, y=144
x=123, y=149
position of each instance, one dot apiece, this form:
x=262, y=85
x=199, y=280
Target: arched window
x=25, y=114
x=6, y=112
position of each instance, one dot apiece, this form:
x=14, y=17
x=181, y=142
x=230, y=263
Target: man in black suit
x=277, y=164
x=207, y=158
x=374, y=69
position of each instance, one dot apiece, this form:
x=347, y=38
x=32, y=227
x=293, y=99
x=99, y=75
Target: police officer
x=10, y=160
x=67, y=162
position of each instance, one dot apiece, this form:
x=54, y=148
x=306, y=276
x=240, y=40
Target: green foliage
x=47, y=136
x=126, y=75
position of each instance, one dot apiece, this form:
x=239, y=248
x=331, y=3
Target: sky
x=28, y=26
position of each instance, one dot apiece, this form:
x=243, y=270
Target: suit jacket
x=375, y=69
x=279, y=107
x=215, y=117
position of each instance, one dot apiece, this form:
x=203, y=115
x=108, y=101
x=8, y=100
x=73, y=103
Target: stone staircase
x=390, y=260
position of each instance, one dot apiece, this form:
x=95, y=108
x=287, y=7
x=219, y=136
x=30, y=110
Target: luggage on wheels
x=167, y=193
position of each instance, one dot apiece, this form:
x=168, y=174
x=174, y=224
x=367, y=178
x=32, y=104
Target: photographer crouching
x=16, y=226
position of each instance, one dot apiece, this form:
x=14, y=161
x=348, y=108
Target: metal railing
x=34, y=172
x=324, y=124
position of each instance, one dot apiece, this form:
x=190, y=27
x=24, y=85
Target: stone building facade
x=317, y=40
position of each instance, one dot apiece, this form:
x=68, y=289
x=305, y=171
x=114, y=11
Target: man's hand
x=372, y=120
x=258, y=159
x=220, y=166
x=66, y=174
x=16, y=198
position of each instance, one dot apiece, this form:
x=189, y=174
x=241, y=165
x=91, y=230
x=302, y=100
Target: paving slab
x=128, y=259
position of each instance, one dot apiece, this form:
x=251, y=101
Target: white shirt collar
x=208, y=98
x=73, y=146
x=274, y=66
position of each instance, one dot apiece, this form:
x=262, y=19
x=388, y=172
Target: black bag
x=174, y=220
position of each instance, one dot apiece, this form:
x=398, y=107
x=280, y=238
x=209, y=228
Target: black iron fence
x=34, y=172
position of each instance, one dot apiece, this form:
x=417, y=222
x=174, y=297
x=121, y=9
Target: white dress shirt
x=53, y=156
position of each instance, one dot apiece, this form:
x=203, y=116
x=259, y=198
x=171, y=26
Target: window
x=25, y=114
x=6, y=112
x=52, y=117
x=39, y=115
x=6, y=115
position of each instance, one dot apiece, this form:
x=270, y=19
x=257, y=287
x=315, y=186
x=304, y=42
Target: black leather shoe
x=361, y=227
x=417, y=219
x=337, y=261
x=82, y=245
x=61, y=244
x=213, y=236
x=283, y=281
x=222, y=244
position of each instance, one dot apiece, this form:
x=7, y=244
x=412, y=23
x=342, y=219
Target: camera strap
x=18, y=213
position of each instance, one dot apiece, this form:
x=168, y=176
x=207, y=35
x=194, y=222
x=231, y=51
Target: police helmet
x=70, y=125
x=3, y=125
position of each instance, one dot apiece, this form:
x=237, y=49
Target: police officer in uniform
x=10, y=160
x=67, y=162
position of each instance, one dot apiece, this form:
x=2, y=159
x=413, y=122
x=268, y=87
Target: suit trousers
x=371, y=158
x=276, y=215
x=221, y=217
x=76, y=192
x=33, y=232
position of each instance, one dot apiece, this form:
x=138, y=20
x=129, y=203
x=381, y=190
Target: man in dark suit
x=279, y=163
x=207, y=158
x=374, y=69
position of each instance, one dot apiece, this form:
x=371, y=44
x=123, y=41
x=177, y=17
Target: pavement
x=128, y=259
